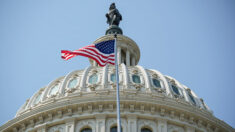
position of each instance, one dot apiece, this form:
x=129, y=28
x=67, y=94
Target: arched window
x=37, y=99
x=136, y=79
x=93, y=79
x=175, y=89
x=114, y=129
x=113, y=77
x=73, y=83
x=54, y=90
x=86, y=130
x=145, y=130
x=156, y=83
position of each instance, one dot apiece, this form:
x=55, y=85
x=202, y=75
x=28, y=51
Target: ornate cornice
x=140, y=104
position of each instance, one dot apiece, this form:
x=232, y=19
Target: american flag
x=102, y=52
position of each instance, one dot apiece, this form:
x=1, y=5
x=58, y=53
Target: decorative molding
x=70, y=112
x=137, y=86
x=40, y=119
x=133, y=104
x=162, y=111
x=100, y=108
x=199, y=123
x=182, y=116
x=132, y=108
x=152, y=110
x=121, y=107
x=89, y=108
x=32, y=123
x=172, y=114
x=15, y=129
x=23, y=126
x=79, y=110
x=191, y=118
x=142, y=108
x=92, y=86
x=59, y=114
x=111, y=107
x=49, y=116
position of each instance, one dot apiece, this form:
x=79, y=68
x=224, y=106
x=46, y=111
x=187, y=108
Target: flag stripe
x=96, y=59
x=91, y=54
x=96, y=51
x=91, y=51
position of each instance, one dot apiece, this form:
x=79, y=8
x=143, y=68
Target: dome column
x=119, y=55
x=128, y=58
x=133, y=61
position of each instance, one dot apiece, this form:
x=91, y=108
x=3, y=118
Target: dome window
x=175, y=89
x=86, y=130
x=156, y=83
x=73, y=83
x=54, y=90
x=145, y=130
x=203, y=104
x=192, y=98
x=93, y=79
x=113, y=77
x=136, y=79
x=37, y=99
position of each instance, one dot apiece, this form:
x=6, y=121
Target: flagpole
x=117, y=86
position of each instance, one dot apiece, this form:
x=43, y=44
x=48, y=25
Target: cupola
x=128, y=51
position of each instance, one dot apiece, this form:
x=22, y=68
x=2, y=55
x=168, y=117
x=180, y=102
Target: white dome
x=76, y=83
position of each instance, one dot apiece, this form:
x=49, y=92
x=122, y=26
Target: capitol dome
x=99, y=81
x=85, y=100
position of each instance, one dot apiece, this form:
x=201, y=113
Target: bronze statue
x=113, y=17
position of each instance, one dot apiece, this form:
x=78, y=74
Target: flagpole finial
x=113, y=19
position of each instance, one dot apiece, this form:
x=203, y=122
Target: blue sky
x=192, y=41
